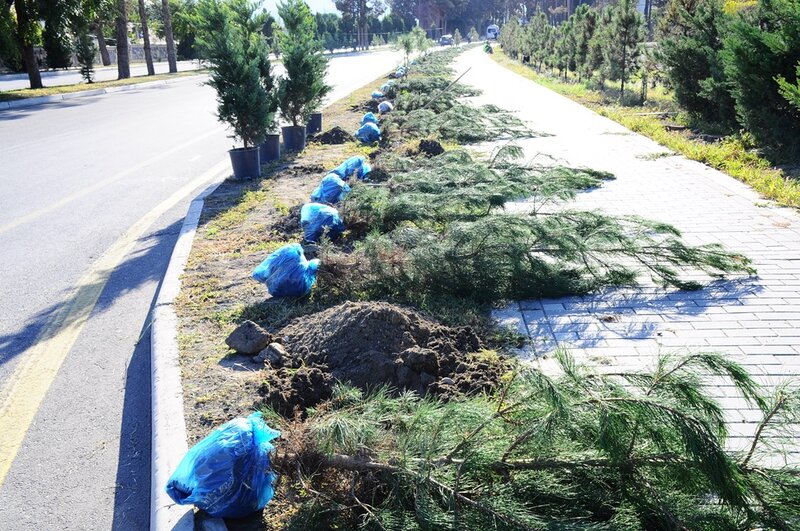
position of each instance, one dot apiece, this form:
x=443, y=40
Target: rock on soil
x=248, y=338
x=274, y=354
x=370, y=344
x=336, y=135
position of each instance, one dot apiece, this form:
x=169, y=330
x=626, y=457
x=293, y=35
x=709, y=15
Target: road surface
x=52, y=78
x=86, y=182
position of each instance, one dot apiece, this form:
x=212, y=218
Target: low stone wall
x=159, y=52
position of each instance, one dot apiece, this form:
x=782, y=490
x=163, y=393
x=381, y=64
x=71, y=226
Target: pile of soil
x=430, y=148
x=370, y=344
x=289, y=225
x=336, y=135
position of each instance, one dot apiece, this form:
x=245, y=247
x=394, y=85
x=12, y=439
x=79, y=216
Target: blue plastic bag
x=386, y=86
x=287, y=273
x=353, y=166
x=315, y=218
x=376, y=95
x=331, y=189
x=368, y=133
x=227, y=474
x=370, y=118
x=385, y=107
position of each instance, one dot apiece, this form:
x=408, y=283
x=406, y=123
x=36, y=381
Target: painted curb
x=42, y=100
x=168, y=443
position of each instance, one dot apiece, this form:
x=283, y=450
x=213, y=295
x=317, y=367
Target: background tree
x=584, y=25
x=123, y=52
x=168, y=36
x=10, y=56
x=359, y=12
x=624, y=35
x=473, y=35
x=55, y=36
x=148, y=54
x=26, y=33
x=761, y=46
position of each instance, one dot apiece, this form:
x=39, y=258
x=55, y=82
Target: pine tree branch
x=761, y=425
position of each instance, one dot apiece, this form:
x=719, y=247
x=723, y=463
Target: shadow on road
x=146, y=263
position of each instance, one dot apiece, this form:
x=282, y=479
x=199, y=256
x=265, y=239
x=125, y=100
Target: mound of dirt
x=370, y=344
x=431, y=148
x=289, y=225
x=336, y=135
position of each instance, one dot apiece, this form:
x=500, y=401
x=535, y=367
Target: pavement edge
x=41, y=100
x=168, y=443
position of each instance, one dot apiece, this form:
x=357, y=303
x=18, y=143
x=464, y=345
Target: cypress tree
x=303, y=88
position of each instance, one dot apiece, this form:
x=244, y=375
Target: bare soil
x=374, y=344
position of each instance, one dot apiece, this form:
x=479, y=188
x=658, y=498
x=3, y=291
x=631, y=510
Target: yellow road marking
x=100, y=184
x=25, y=389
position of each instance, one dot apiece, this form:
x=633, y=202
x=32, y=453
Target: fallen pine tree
x=579, y=450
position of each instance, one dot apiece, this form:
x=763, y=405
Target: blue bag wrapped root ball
x=368, y=133
x=385, y=107
x=331, y=189
x=227, y=474
x=353, y=166
x=315, y=218
x=369, y=118
x=386, y=86
x=377, y=94
x=287, y=273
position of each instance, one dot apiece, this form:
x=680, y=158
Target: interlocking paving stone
x=755, y=319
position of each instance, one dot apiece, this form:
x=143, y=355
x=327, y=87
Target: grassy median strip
x=729, y=155
x=22, y=94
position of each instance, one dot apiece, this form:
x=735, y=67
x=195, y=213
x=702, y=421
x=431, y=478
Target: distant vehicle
x=492, y=32
x=446, y=40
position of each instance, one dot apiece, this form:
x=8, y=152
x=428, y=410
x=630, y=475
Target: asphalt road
x=52, y=78
x=75, y=177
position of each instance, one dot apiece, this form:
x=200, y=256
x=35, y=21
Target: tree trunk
x=123, y=52
x=148, y=55
x=101, y=43
x=171, y=57
x=25, y=45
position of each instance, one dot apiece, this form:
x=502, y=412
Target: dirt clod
x=336, y=135
x=288, y=225
x=290, y=391
x=371, y=344
x=248, y=338
x=430, y=148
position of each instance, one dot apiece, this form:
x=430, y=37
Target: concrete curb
x=41, y=100
x=168, y=444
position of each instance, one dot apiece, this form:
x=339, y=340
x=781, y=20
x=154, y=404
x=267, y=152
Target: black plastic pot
x=271, y=148
x=315, y=123
x=294, y=138
x=246, y=162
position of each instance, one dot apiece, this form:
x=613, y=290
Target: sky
x=317, y=6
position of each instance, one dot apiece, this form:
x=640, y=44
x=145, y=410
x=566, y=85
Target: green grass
x=21, y=94
x=730, y=155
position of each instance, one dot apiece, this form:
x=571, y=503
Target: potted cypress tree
x=303, y=88
x=236, y=68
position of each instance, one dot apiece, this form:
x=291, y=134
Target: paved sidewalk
x=756, y=320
